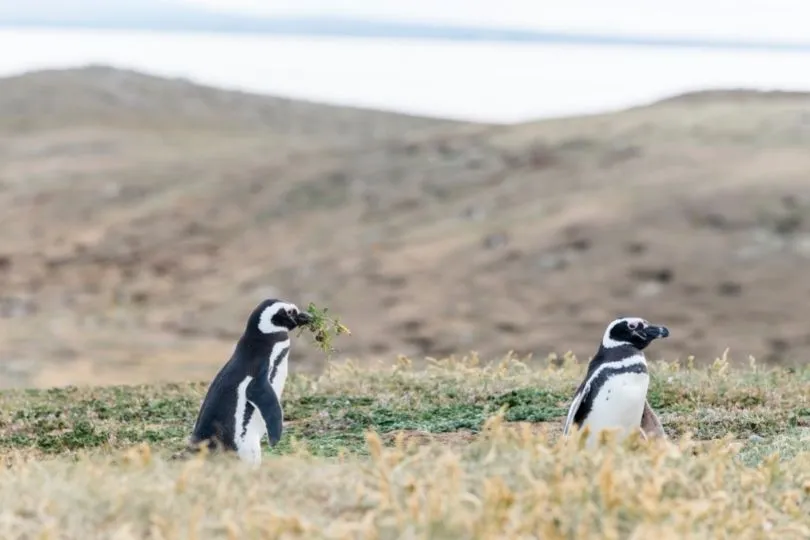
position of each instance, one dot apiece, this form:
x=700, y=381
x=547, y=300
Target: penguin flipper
x=262, y=396
x=572, y=410
x=650, y=424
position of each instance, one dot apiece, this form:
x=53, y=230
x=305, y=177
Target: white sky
x=782, y=20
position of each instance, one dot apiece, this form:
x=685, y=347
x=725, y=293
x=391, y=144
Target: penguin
x=613, y=394
x=243, y=402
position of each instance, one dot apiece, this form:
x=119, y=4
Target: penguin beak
x=655, y=332
x=303, y=318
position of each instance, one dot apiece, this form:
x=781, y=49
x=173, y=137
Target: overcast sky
x=782, y=20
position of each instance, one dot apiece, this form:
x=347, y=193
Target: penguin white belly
x=250, y=449
x=280, y=379
x=248, y=443
x=619, y=405
x=279, y=374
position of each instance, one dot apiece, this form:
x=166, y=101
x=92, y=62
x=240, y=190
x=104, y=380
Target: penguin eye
x=632, y=325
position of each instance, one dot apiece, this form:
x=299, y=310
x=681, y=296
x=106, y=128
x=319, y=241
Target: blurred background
x=447, y=176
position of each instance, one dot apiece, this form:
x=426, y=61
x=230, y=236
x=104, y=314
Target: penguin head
x=632, y=331
x=274, y=315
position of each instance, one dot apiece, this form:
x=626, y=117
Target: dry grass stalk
x=506, y=484
x=448, y=468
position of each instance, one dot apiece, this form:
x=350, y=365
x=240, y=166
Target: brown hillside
x=101, y=96
x=140, y=229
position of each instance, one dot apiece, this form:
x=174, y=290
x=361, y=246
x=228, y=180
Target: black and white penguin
x=614, y=393
x=243, y=402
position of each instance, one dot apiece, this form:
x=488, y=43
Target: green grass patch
x=330, y=415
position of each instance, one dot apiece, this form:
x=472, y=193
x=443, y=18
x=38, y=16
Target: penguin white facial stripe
x=608, y=342
x=266, y=325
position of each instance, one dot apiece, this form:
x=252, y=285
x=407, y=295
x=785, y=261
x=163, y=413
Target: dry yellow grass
x=509, y=483
x=399, y=453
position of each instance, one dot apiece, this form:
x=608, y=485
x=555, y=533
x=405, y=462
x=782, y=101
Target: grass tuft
x=459, y=450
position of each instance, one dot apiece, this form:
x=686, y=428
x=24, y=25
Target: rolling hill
x=144, y=217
